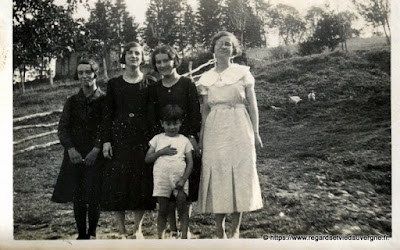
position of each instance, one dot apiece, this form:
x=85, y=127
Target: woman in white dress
x=228, y=137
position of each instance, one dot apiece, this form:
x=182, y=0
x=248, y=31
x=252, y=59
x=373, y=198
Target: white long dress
x=229, y=181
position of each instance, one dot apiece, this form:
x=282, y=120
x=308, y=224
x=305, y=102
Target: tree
x=289, y=23
x=42, y=31
x=101, y=33
x=254, y=31
x=237, y=16
x=261, y=9
x=346, y=19
x=161, y=22
x=123, y=26
x=209, y=19
x=314, y=14
x=331, y=30
x=186, y=32
x=190, y=23
x=376, y=12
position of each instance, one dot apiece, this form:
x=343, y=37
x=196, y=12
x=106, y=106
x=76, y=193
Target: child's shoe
x=174, y=234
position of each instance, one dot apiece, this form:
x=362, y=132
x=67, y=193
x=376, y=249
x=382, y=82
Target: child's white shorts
x=166, y=173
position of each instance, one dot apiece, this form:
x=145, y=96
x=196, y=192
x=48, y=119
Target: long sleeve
x=193, y=112
x=108, y=115
x=98, y=143
x=155, y=103
x=150, y=108
x=64, y=126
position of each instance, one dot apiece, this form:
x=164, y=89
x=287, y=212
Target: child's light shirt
x=168, y=169
x=180, y=142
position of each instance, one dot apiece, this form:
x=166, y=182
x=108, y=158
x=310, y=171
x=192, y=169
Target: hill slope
x=325, y=167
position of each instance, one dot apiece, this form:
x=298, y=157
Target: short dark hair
x=93, y=65
x=236, y=47
x=170, y=51
x=172, y=113
x=127, y=47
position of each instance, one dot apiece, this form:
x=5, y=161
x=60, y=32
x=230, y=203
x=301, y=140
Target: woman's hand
x=195, y=146
x=107, y=150
x=258, y=141
x=168, y=150
x=90, y=158
x=74, y=156
x=200, y=144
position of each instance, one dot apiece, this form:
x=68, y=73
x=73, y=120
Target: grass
x=325, y=167
x=262, y=55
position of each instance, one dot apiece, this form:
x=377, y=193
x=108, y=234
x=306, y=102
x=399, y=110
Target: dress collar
x=229, y=76
x=97, y=93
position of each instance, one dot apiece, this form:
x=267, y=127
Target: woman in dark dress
x=79, y=132
x=175, y=89
x=128, y=182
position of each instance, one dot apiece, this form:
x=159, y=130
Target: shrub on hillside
x=281, y=52
x=310, y=47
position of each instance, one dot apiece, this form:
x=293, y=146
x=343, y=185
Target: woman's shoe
x=138, y=236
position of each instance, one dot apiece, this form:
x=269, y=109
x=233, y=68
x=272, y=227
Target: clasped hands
x=76, y=157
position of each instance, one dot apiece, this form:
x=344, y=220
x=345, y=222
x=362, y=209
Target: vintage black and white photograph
x=182, y=120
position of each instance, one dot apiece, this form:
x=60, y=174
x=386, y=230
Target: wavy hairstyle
x=170, y=51
x=236, y=47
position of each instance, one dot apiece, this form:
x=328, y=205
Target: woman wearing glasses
x=229, y=136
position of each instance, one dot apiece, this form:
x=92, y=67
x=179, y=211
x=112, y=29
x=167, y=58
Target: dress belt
x=228, y=105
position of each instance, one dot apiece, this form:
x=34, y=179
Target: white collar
x=229, y=76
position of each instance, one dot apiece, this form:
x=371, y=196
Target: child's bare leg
x=236, y=220
x=172, y=216
x=162, y=216
x=137, y=227
x=220, y=222
x=120, y=219
x=182, y=212
x=189, y=207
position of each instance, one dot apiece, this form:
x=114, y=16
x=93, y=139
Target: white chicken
x=311, y=96
x=294, y=99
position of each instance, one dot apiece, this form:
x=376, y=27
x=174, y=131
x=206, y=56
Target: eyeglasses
x=221, y=43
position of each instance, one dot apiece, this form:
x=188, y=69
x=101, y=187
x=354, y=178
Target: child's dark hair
x=171, y=113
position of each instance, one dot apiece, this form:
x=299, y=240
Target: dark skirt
x=127, y=181
x=194, y=180
x=78, y=182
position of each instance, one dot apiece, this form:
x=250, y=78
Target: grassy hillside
x=325, y=167
x=353, y=44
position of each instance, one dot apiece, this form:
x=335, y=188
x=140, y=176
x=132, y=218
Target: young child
x=171, y=153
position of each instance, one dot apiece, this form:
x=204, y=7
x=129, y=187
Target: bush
x=281, y=52
x=310, y=47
